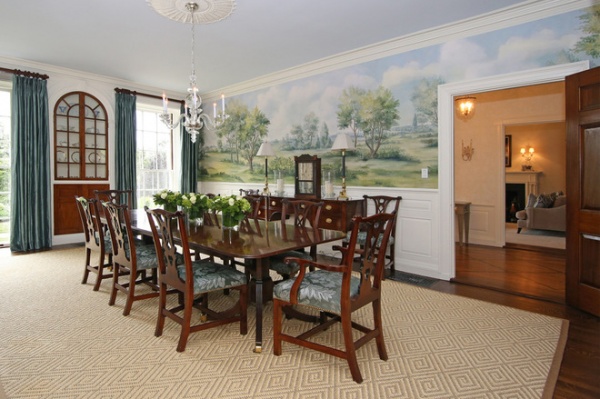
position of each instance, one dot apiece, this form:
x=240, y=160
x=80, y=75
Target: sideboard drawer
x=338, y=214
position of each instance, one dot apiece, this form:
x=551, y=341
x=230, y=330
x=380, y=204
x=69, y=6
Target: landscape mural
x=388, y=107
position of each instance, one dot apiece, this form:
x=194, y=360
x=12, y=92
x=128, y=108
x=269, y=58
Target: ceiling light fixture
x=207, y=11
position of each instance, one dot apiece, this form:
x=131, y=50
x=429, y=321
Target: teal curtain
x=189, y=160
x=30, y=217
x=125, y=144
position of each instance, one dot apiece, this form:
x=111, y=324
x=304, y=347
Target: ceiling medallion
x=205, y=11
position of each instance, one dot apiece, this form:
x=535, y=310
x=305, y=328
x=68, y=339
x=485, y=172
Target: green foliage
x=432, y=142
x=425, y=100
x=590, y=44
x=284, y=164
x=395, y=154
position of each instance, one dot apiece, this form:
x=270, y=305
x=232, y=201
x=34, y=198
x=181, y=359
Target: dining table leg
x=259, y=304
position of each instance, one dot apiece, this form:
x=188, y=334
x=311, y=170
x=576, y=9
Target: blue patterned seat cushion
x=209, y=276
x=277, y=263
x=362, y=237
x=320, y=289
x=146, y=255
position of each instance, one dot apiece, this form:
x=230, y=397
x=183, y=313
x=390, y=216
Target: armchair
x=336, y=291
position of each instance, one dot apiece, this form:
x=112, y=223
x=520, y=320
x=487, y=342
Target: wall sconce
x=465, y=106
x=467, y=152
x=343, y=143
x=266, y=151
x=527, y=154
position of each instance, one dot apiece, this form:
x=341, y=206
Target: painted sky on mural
x=531, y=45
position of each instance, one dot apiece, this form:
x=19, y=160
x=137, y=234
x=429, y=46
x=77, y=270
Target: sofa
x=544, y=212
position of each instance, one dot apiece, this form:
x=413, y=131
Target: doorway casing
x=446, y=94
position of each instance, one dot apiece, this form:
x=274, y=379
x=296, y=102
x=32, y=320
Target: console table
x=463, y=212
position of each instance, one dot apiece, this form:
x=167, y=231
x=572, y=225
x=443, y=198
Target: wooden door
x=583, y=190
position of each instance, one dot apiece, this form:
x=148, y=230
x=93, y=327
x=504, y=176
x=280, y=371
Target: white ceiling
x=128, y=40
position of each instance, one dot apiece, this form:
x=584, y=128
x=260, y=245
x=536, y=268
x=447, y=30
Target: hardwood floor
x=533, y=279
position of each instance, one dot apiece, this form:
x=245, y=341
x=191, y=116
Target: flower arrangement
x=169, y=199
x=195, y=204
x=233, y=209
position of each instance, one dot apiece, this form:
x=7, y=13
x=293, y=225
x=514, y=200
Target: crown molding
x=527, y=11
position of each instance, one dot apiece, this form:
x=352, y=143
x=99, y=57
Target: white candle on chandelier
x=214, y=110
x=223, y=103
x=165, y=103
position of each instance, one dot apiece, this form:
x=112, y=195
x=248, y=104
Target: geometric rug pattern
x=60, y=339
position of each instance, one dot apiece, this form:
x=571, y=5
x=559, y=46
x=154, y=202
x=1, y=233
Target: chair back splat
x=192, y=281
x=385, y=204
x=336, y=291
x=304, y=214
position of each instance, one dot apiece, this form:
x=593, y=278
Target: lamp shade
x=342, y=142
x=265, y=150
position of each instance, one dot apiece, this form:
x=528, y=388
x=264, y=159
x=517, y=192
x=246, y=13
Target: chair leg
x=100, y=271
x=162, y=305
x=519, y=230
x=277, y=319
x=115, y=284
x=379, y=327
x=131, y=292
x=186, y=322
x=350, y=349
x=86, y=271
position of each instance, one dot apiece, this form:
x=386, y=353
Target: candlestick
x=223, y=103
x=214, y=110
x=165, y=103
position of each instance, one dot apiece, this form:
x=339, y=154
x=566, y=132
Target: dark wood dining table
x=254, y=242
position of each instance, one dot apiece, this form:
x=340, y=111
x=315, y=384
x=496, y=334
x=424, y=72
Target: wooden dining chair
x=132, y=258
x=303, y=214
x=115, y=196
x=193, y=280
x=336, y=292
x=97, y=242
x=380, y=204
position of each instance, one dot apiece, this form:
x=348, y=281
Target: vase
x=170, y=207
x=229, y=221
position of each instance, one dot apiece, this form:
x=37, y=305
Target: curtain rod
x=25, y=73
x=137, y=93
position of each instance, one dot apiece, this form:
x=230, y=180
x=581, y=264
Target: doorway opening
x=446, y=95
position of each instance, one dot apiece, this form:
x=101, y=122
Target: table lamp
x=266, y=151
x=343, y=143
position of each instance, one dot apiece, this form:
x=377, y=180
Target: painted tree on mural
x=348, y=114
x=378, y=113
x=255, y=130
x=590, y=44
x=425, y=101
x=306, y=135
x=242, y=132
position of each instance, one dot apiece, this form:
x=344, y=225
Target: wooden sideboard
x=66, y=215
x=335, y=214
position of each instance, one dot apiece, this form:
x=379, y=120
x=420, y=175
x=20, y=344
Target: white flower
x=192, y=198
x=163, y=195
x=231, y=201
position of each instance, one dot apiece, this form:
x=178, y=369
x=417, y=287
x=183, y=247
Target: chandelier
x=193, y=118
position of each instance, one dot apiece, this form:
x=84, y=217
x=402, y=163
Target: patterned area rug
x=59, y=339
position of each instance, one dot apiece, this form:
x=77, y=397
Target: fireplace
x=515, y=200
